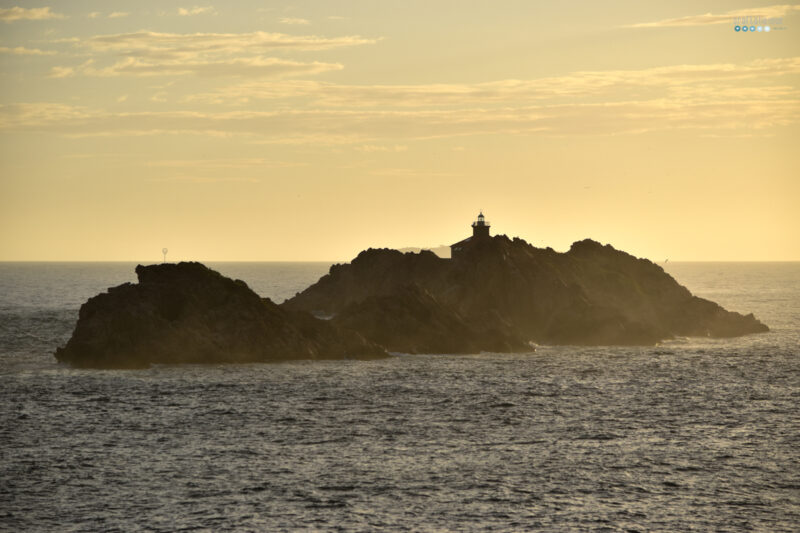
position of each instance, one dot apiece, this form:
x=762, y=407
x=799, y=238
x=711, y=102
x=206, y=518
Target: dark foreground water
x=695, y=434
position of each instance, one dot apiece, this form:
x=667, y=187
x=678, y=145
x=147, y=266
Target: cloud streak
x=608, y=86
x=196, y=10
x=294, y=21
x=147, y=53
x=369, y=126
x=22, y=51
x=12, y=14
x=256, y=67
x=708, y=99
x=774, y=11
x=180, y=45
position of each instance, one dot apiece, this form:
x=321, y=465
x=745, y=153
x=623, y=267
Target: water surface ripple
x=695, y=434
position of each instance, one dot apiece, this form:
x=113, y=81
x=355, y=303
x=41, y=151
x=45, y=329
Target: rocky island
x=188, y=313
x=494, y=294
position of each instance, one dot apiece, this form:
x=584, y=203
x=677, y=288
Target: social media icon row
x=751, y=28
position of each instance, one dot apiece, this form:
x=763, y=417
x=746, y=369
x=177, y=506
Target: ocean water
x=691, y=435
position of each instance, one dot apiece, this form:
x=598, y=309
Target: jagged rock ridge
x=498, y=294
x=590, y=295
x=188, y=313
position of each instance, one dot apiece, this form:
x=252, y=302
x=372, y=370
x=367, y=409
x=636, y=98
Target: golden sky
x=256, y=130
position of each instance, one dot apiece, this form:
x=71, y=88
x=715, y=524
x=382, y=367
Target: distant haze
x=309, y=131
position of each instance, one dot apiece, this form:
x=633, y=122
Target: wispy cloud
x=207, y=179
x=225, y=163
x=256, y=67
x=294, y=21
x=196, y=10
x=11, y=14
x=41, y=114
x=721, y=18
x=179, y=45
x=711, y=99
x=22, y=51
x=118, y=14
x=148, y=53
x=62, y=72
x=410, y=173
x=67, y=72
x=592, y=86
x=371, y=127
x=369, y=148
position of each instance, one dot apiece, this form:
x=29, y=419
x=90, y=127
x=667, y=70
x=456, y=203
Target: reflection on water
x=694, y=434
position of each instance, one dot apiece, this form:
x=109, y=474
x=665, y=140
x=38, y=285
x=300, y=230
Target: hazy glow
x=235, y=131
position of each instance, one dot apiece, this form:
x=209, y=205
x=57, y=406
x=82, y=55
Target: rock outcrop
x=498, y=294
x=188, y=313
x=505, y=292
x=410, y=320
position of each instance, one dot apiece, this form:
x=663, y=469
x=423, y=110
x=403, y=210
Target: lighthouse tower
x=480, y=228
x=480, y=231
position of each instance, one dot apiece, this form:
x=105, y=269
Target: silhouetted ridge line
x=496, y=294
x=188, y=313
x=591, y=295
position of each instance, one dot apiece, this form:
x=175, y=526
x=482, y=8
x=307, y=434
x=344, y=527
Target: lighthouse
x=480, y=228
x=480, y=231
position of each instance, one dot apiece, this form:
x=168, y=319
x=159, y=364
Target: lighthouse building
x=480, y=230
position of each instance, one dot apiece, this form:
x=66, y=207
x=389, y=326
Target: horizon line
x=139, y=261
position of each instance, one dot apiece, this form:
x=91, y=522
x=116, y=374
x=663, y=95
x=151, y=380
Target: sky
x=310, y=130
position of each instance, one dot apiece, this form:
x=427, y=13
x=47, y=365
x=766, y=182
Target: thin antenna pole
x=164, y=251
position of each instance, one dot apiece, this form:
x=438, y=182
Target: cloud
x=224, y=163
x=67, y=72
x=410, y=173
x=40, y=114
x=11, y=14
x=249, y=67
x=711, y=99
x=207, y=179
x=148, y=53
x=606, y=86
x=369, y=148
x=196, y=10
x=375, y=127
x=94, y=15
x=118, y=14
x=774, y=11
x=179, y=45
x=294, y=21
x=62, y=72
x=22, y=51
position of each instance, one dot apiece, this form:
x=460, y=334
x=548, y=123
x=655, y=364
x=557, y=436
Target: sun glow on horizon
x=309, y=132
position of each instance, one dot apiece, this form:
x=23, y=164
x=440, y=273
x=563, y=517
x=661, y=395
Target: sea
x=695, y=434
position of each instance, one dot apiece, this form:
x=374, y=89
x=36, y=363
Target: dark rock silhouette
x=411, y=320
x=188, y=313
x=590, y=295
x=442, y=251
x=496, y=294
